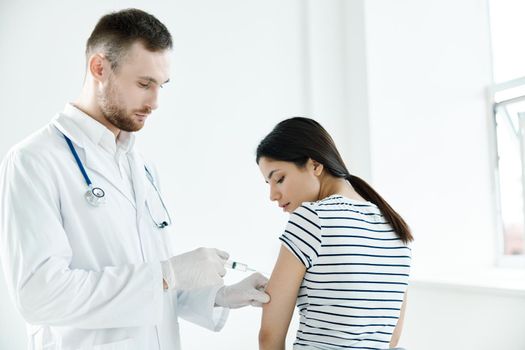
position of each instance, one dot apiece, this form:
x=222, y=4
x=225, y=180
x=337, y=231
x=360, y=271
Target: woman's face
x=291, y=185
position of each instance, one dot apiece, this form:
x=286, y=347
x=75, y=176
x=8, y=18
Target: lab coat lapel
x=138, y=175
x=107, y=169
x=87, y=154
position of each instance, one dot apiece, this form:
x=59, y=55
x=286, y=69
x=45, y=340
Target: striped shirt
x=356, y=274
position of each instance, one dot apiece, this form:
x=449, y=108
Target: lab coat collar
x=75, y=125
x=98, y=133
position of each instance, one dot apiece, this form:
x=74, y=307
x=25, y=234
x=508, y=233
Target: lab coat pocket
x=127, y=344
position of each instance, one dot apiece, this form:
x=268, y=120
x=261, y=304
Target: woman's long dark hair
x=299, y=139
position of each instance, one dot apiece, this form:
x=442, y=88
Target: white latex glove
x=202, y=267
x=249, y=291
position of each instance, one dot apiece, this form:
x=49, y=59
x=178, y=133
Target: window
x=508, y=31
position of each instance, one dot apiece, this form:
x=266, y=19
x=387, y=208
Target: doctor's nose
x=152, y=102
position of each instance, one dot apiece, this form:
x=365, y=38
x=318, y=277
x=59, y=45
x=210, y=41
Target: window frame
x=503, y=260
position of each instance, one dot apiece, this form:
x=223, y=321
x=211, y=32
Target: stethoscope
x=97, y=197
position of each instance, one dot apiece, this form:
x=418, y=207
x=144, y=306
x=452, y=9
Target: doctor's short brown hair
x=117, y=31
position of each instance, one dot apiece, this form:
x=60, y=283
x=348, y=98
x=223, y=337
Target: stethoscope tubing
x=95, y=199
x=79, y=162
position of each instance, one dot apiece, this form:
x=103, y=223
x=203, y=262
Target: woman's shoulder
x=339, y=201
x=339, y=205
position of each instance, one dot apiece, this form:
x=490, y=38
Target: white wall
x=428, y=69
x=448, y=317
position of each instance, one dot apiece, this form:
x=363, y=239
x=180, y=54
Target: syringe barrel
x=236, y=265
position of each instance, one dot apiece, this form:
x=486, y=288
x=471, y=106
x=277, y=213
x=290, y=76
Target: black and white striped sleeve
x=302, y=235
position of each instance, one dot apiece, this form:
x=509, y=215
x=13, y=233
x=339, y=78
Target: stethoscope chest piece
x=95, y=196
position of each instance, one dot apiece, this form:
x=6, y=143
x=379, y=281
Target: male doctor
x=85, y=237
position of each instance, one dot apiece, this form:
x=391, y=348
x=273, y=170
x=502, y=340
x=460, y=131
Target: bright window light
x=508, y=52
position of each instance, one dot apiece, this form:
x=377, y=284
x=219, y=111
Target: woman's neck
x=331, y=185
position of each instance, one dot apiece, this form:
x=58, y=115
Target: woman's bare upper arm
x=283, y=288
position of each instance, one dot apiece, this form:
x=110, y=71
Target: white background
x=401, y=86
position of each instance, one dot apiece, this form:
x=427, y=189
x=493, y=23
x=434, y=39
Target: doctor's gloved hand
x=202, y=267
x=249, y=291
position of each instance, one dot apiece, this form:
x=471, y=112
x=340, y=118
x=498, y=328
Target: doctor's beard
x=115, y=111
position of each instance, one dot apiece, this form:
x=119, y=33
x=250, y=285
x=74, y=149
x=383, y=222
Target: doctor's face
x=291, y=185
x=130, y=93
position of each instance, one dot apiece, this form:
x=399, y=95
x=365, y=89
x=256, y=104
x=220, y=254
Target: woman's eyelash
x=280, y=180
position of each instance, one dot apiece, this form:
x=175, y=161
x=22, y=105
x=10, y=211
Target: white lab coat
x=87, y=277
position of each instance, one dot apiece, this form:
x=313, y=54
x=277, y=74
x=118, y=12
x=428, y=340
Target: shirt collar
x=98, y=133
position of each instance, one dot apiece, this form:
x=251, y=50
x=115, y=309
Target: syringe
x=235, y=265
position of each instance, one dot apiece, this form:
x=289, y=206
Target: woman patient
x=344, y=258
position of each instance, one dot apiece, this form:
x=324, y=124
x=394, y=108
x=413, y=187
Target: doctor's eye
x=143, y=85
x=281, y=179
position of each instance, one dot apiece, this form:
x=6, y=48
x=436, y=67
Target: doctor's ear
x=99, y=67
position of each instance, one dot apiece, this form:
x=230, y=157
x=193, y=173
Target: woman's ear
x=317, y=167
